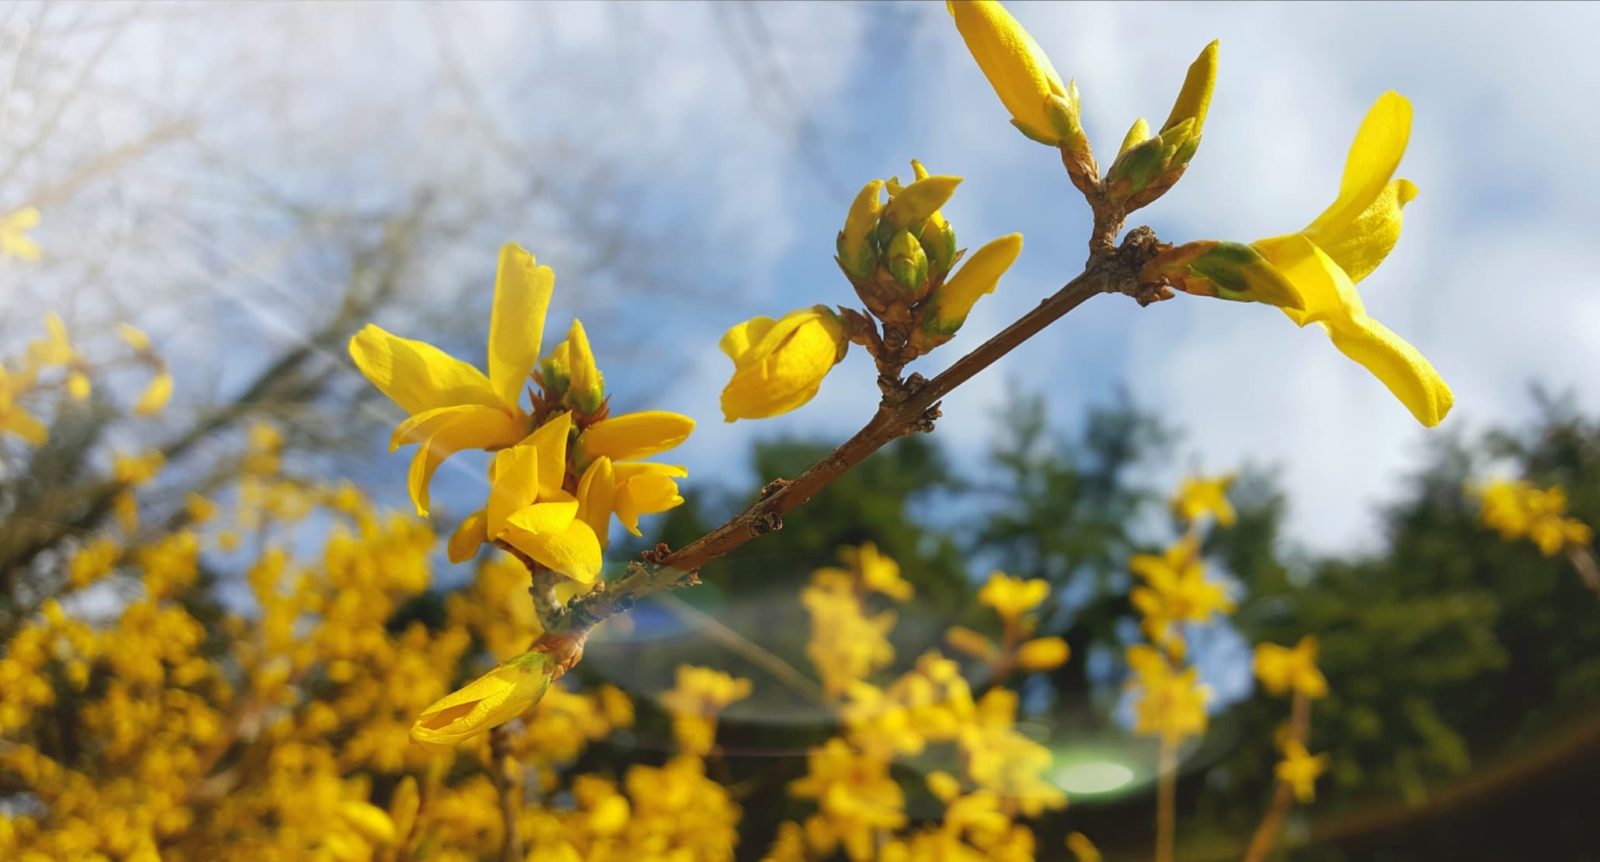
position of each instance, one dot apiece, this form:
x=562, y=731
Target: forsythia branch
x=909, y=408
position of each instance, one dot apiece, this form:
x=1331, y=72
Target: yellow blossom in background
x=14, y=419
x=14, y=239
x=1522, y=510
x=1299, y=769
x=847, y=642
x=158, y=391
x=778, y=365
x=1176, y=589
x=1083, y=850
x=1285, y=669
x=701, y=694
x=1012, y=597
x=56, y=349
x=1169, y=702
x=1199, y=496
x=856, y=799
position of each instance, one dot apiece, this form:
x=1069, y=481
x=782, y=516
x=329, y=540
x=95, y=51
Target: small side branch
x=1266, y=836
x=508, y=787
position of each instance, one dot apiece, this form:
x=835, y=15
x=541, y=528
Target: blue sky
x=735, y=137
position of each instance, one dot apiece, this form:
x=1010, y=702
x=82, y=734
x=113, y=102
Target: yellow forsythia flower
x=452, y=405
x=13, y=418
x=14, y=241
x=492, y=699
x=1017, y=68
x=1012, y=597
x=1285, y=669
x=778, y=365
x=1199, y=496
x=1345, y=244
x=1171, y=703
x=1521, y=510
x=1299, y=769
x=701, y=694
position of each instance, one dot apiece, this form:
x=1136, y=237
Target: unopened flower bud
x=908, y=263
x=913, y=204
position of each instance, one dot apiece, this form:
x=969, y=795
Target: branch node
x=772, y=488
x=766, y=522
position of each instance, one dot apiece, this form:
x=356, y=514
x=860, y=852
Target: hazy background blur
x=252, y=182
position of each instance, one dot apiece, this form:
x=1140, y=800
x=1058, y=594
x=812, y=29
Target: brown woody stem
x=1266, y=835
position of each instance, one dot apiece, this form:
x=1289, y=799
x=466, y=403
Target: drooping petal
x=416, y=375
x=597, y=494
x=513, y=484
x=1359, y=245
x=634, y=435
x=1373, y=159
x=471, y=533
x=516, y=324
x=1399, y=365
x=462, y=432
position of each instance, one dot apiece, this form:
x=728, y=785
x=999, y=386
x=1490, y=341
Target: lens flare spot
x=1097, y=776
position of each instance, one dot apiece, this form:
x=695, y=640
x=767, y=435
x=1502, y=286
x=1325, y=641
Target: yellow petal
x=1324, y=296
x=572, y=550
x=1043, y=654
x=597, y=494
x=133, y=336
x=1195, y=97
x=740, y=337
x=1374, y=156
x=1017, y=68
x=417, y=428
x=645, y=493
x=1400, y=366
x=634, y=435
x=516, y=323
x=1359, y=245
x=978, y=276
x=513, y=484
x=551, y=441
x=462, y=432
x=1138, y=133
x=416, y=375
x=156, y=394
x=471, y=533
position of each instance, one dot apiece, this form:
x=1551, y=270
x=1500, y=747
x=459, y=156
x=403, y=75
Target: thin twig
x=1166, y=798
x=1266, y=835
x=508, y=787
